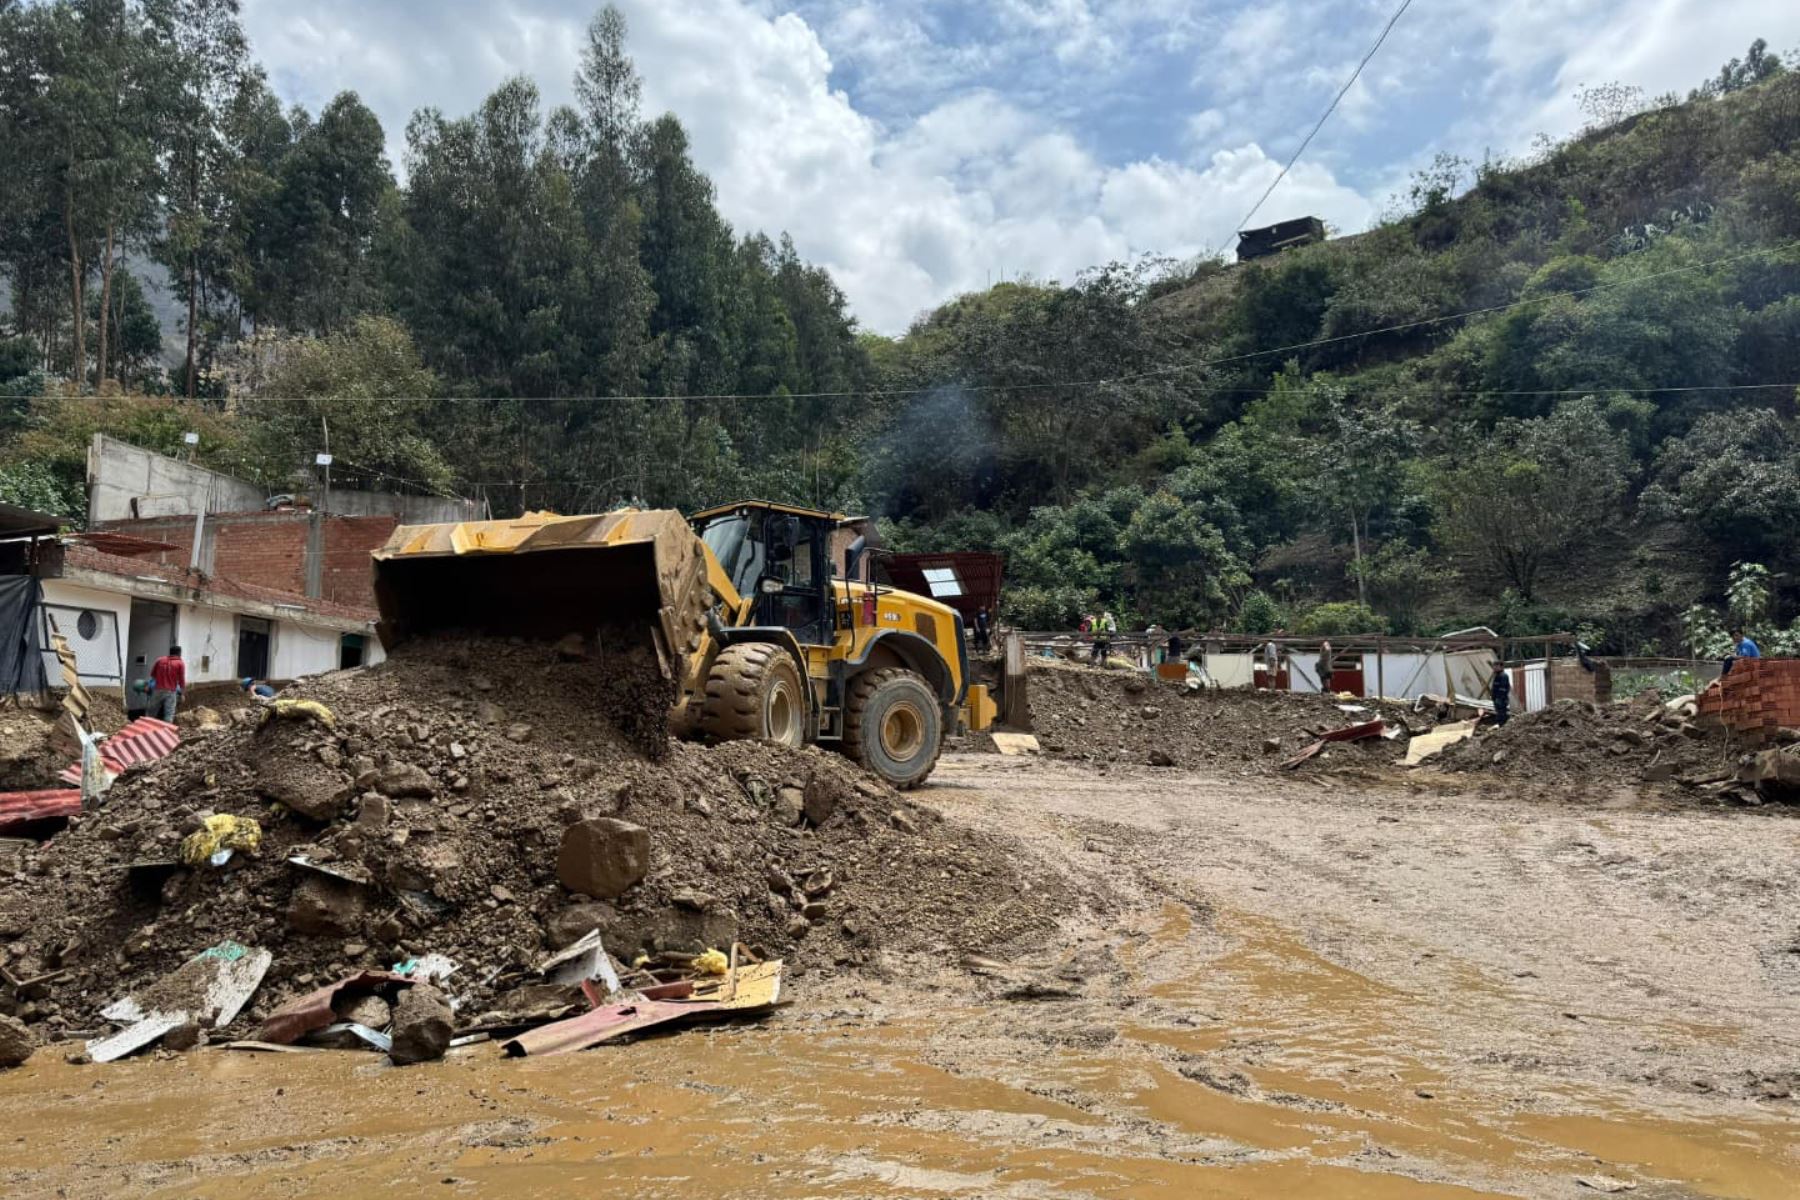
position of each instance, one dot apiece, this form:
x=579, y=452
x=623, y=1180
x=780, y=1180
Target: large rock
x=679, y=929
x=324, y=906
x=305, y=786
x=16, y=1042
x=402, y=779
x=821, y=799
x=422, y=1024
x=603, y=857
x=567, y=926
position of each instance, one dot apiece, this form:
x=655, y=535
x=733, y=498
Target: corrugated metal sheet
x=144, y=740
x=978, y=576
x=22, y=808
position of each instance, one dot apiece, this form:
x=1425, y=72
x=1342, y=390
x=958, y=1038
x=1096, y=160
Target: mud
x=442, y=791
x=1430, y=991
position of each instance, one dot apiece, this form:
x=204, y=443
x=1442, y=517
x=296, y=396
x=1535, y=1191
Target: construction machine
x=748, y=608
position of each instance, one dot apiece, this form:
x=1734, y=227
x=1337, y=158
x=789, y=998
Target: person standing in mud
x=1500, y=688
x=169, y=674
x=1326, y=658
x=983, y=622
x=1104, y=628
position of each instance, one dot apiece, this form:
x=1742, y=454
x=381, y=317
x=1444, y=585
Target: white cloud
x=973, y=145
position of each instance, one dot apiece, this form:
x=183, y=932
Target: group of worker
x=1101, y=628
x=166, y=687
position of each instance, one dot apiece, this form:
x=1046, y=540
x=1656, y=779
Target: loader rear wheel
x=754, y=691
x=893, y=726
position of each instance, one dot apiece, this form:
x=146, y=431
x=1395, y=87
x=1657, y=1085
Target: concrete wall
x=120, y=473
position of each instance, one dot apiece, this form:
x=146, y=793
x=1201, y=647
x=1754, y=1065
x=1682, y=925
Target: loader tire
x=754, y=692
x=893, y=726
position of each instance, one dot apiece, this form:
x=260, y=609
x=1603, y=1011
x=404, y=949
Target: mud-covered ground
x=1413, y=986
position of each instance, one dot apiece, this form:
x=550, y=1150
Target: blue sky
x=920, y=148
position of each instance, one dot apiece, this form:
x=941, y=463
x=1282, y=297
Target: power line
x=1189, y=365
x=1326, y=116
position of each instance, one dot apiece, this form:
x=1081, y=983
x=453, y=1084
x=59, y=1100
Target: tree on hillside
x=1757, y=65
x=1534, y=494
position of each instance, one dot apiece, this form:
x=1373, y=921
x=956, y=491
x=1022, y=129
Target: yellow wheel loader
x=767, y=634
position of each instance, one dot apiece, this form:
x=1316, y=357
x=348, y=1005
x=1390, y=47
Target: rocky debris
x=297, y=782
x=790, y=805
x=1107, y=717
x=370, y=1010
x=423, y=1024
x=16, y=1042
x=1572, y=747
x=603, y=857
x=473, y=872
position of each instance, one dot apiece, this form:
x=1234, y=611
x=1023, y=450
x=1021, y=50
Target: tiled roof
x=89, y=559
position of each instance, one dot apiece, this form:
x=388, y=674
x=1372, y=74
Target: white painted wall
x=208, y=643
x=102, y=659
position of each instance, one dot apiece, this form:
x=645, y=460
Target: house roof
x=90, y=559
x=23, y=522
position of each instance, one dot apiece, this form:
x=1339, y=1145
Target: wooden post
x=1015, y=709
x=1380, y=672
x=1549, y=688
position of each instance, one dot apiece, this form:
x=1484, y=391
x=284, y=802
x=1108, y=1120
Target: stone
x=820, y=883
x=798, y=927
x=402, y=780
x=1631, y=737
x=373, y=810
x=790, y=806
x=692, y=900
x=778, y=880
x=814, y=910
x=458, y=751
x=679, y=929
x=502, y=894
x=1136, y=685
x=820, y=800
x=903, y=821
x=368, y=1010
x=603, y=857
x=308, y=789
x=520, y=732
x=572, y=648
x=1271, y=745
x=1161, y=758
x=567, y=926
x=1659, y=773
x=432, y=863
x=324, y=906
x=1150, y=712
x=184, y=1037
x=422, y=1023
x=489, y=713
x=16, y=1042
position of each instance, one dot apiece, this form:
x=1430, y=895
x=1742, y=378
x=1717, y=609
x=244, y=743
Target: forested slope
x=1554, y=392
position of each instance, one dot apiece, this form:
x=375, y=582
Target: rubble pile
x=1126, y=717
x=478, y=800
x=32, y=750
x=1575, y=745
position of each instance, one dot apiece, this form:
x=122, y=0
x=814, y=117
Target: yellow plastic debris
x=301, y=708
x=222, y=832
x=713, y=962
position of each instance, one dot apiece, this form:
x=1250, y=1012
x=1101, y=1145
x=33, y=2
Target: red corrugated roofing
x=22, y=808
x=144, y=740
x=89, y=559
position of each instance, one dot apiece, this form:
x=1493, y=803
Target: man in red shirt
x=169, y=674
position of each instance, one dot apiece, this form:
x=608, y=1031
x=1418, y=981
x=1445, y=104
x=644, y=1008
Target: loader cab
x=779, y=556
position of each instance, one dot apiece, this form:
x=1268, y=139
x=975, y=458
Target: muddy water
x=1263, y=1071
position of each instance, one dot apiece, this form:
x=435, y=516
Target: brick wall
x=1569, y=680
x=270, y=549
x=348, y=575
x=1760, y=696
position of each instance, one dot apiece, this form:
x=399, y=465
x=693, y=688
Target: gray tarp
x=21, y=652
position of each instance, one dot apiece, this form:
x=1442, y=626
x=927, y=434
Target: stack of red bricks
x=1760, y=696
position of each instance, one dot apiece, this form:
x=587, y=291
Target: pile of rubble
x=1573, y=746
x=1126, y=717
x=476, y=803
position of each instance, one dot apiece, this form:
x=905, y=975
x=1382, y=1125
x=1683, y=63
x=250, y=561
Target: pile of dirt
x=1574, y=745
x=1127, y=717
x=480, y=800
x=31, y=749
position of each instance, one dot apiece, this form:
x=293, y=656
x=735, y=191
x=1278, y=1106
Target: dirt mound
x=1125, y=717
x=31, y=752
x=436, y=812
x=1574, y=745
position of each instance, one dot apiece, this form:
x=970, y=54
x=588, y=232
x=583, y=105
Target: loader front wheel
x=893, y=726
x=754, y=691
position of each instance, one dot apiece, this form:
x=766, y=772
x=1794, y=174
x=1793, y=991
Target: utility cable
x=1326, y=116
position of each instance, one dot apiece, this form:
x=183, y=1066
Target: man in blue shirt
x=1742, y=647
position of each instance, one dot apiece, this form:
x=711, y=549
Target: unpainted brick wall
x=1569, y=680
x=348, y=576
x=1760, y=696
x=270, y=549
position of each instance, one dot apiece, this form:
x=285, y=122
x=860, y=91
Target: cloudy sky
x=922, y=148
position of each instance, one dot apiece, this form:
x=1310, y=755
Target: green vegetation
x=1554, y=392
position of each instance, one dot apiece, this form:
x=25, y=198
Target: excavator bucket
x=543, y=576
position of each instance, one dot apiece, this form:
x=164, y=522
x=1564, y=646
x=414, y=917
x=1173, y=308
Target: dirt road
x=1392, y=991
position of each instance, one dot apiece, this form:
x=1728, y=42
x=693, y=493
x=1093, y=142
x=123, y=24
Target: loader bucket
x=543, y=576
